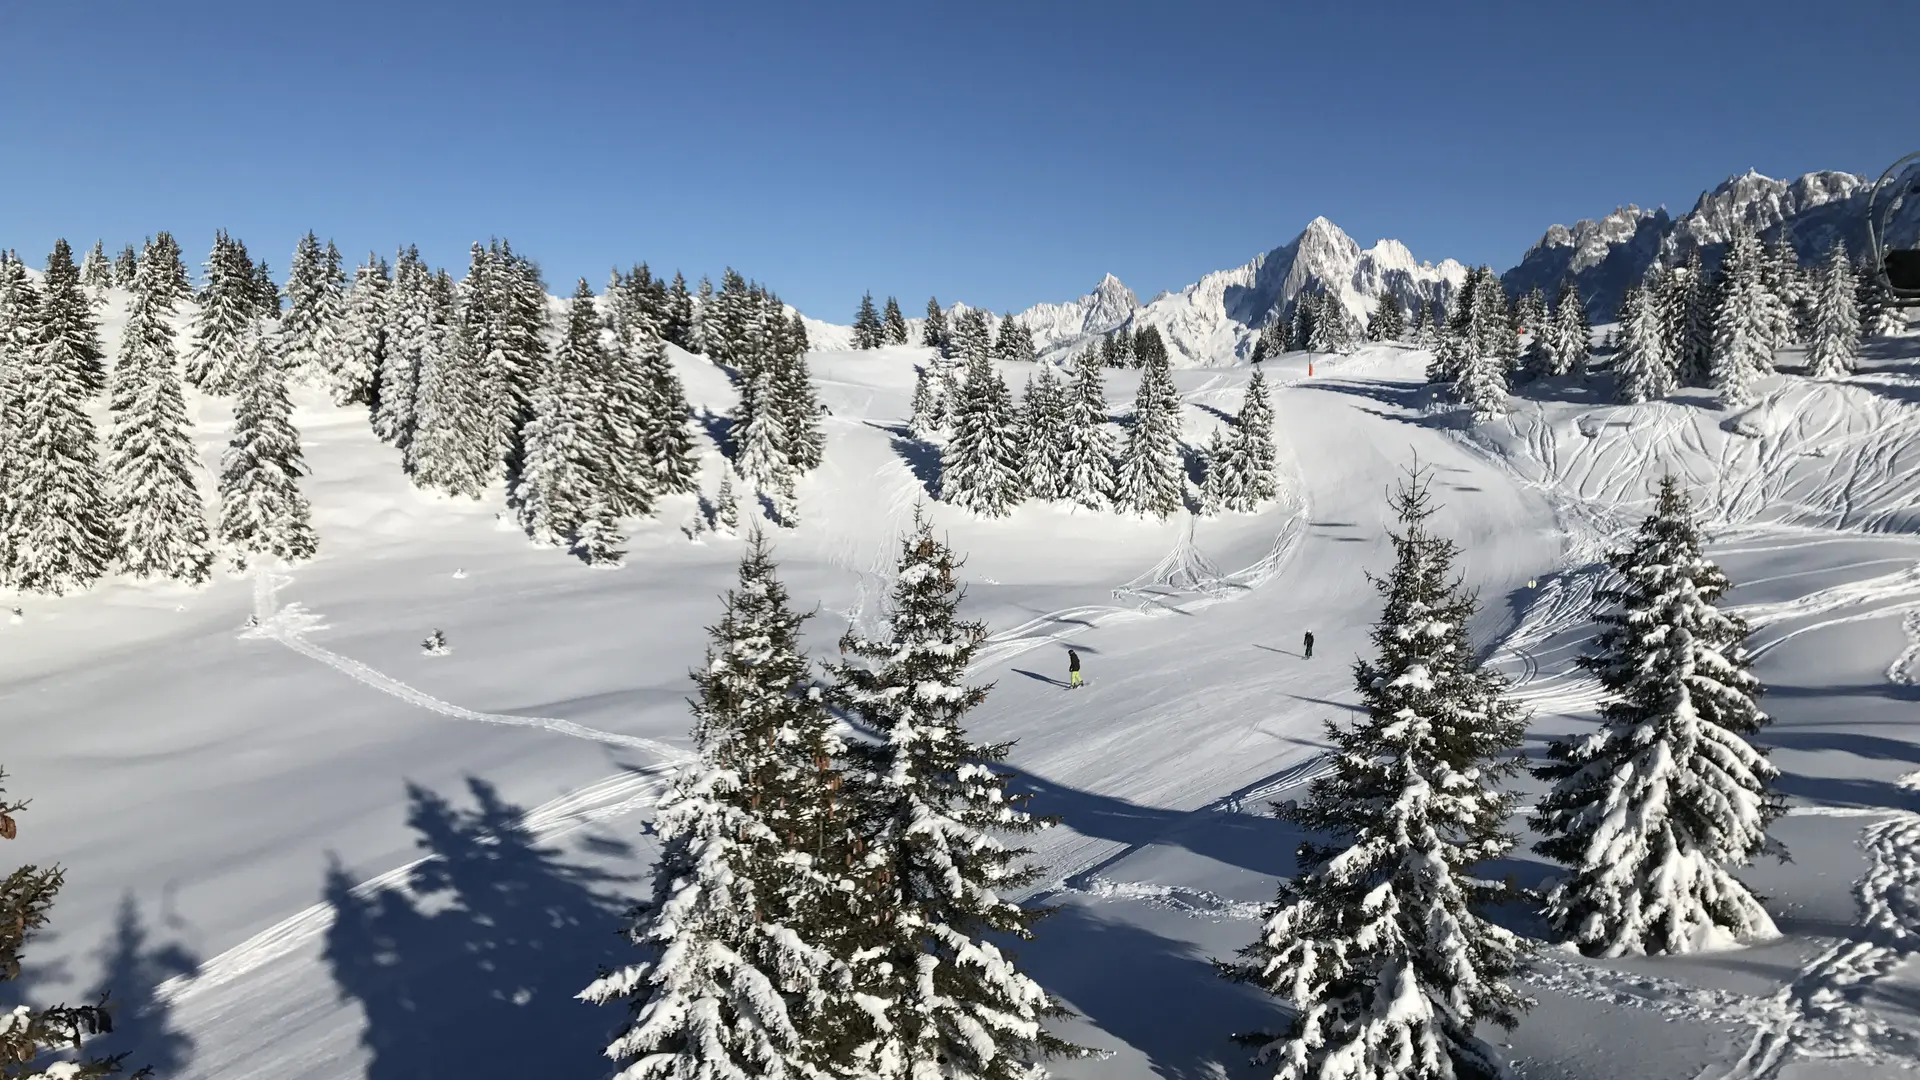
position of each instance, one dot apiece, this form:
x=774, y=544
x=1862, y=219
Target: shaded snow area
x=301, y=846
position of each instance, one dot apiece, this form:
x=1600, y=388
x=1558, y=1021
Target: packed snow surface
x=302, y=848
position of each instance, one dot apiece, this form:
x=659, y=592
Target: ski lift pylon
x=1897, y=268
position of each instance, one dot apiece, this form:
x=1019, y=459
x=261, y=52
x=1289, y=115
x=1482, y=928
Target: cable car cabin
x=1897, y=267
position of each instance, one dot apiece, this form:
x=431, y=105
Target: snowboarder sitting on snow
x=1309, y=644
x=1073, y=669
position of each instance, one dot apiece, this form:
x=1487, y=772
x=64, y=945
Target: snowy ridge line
x=289, y=626
x=606, y=799
x=1825, y=1015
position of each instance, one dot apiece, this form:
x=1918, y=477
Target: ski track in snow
x=1901, y=672
x=604, y=800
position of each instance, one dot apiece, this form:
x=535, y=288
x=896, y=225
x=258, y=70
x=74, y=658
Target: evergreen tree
x=740, y=977
x=266, y=294
x=455, y=447
x=1253, y=430
x=1879, y=317
x=1532, y=310
x=152, y=461
x=1153, y=473
x=702, y=307
x=1835, y=339
x=1573, y=330
x=726, y=508
x=1015, y=344
x=1379, y=943
x=19, y=328
x=1043, y=425
x=895, y=323
x=1149, y=348
x=314, y=324
x=58, y=523
x=96, y=273
x=1654, y=811
x=806, y=441
x=934, y=333
x=66, y=313
x=409, y=337
x=1742, y=347
x=1692, y=321
x=54, y=1033
x=980, y=466
x=971, y=338
x=679, y=327
x=173, y=279
x=1224, y=483
x=363, y=343
x=1643, y=370
x=601, y=540
x=628, y=478
x=524, y=346
x=1306, y=311
x=1086, y=467
x=262, y=512
x=124, y=265
x=568, y=459
x=220, y=325
x=1116, y=348
x=930, y=810
x=1332, y=329
x=925, y=420
x=1387, y=323
x=1786, y=290
x=665, y=446
x=868, y=333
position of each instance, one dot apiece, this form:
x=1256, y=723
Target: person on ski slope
x=1309, y=644
x=1073, y=669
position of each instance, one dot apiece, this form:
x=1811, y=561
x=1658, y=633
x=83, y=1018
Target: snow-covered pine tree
x=300, y=325
x=1531, y=310
x=799, y=406
x=1481, y=385
x=895, y=322
x=760, y=441
x=1253, y=431
x=934, y=333
x=263, y=515
x=980, y=466
x=266, y=294
x=1378, y=943
x=364, y=333
x=628, y=487
x=1692, y=321
x=679, y=326
x=524, y=350
x=1834, y=344
x=1780, y=270
x=96, y=272
x=702, y=307
x=1387, y=322
x=1574, y=331
x=1223, y=483
x=1015, y=343
x=1879, y=318
x=57, y=520
x=1153, y=473
x=457, y=403
x=568, y=456
x=1086, y=468
x=1306, y=311
x=1329, y=333
x=1742, y=345
x=409, y=337
x=601, y=540
x=971, y=339
x=1642, y=369
x=1116, y=348
x=173, y=277
x=1544, y=355
x=124, y=265
x=220, y=324
x=1654, y=812
x=66, y=312
x=924, y=421
x=160, y=516
x=726, y=506
x=44, y=1043
x=741, y=977
x=929, y=812
x=1043, y=425
x=666, y=441
x=728, y=324
x=868, y=333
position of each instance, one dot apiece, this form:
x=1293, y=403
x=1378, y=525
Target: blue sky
x=997, y=153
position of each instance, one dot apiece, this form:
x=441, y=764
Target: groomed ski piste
x=297, y=847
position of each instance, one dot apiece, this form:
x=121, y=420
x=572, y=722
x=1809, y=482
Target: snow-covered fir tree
x=1388, y=323
x=1015, y=343
x=124, y=265
x=363, y=339
x=667, y=447
x=980, y=466
x=924, y=421
x=1833, y=345
x=66, y=313
x=1653, y=812
x=931, y=859
x=1531, y=310
x=1253, y=432
x=1742, y=335
x=702, y=307
x=1276, y=337
x=933, y=333
x=1086, y=467
x=629, y=488
x=409, y=330
x=1306, y=310
x=311, y=328
x=726, y=506
x=971, y=338
x=263, y=514
x=1116, y=348
x=895, y=323
x=1573, y=330
x=1043, y=437
x=1879, y=318
x=678, y=329
x=524, y=350
x=1643, y=370
x=602, y=539
x=266, y=294
x=793, y=391
x=1780, y=270
x=1477, y=354
x=224, y=316
x=568, y=452
x=868, y=332
x=1379, y=944
x=459, y=398
x=1153, y=473
x=96, y=272
x=728, y=322
x=160, y=516
x=57, y=520
x=1223, y=483
x=760, y=441
x=741, y=975
x=173, y=279
x=1690, y=322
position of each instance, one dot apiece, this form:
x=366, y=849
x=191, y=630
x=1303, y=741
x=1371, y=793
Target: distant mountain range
x=1218, y=317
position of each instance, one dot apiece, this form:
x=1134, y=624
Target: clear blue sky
x=998, y=153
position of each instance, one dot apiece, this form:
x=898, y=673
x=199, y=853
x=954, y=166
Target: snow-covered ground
x=308, y=849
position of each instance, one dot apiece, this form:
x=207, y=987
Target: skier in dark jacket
x=1073, y=669
x=1309, y=644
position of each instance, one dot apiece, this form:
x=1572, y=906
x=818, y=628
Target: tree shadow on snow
x=1845, y=791
x=1846, y=742
x=922, y=457
x=1160, y=996
x=470, y=968
x=1409, y=403
x=132, y=966
x=1219, y=414
x=719, y=428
